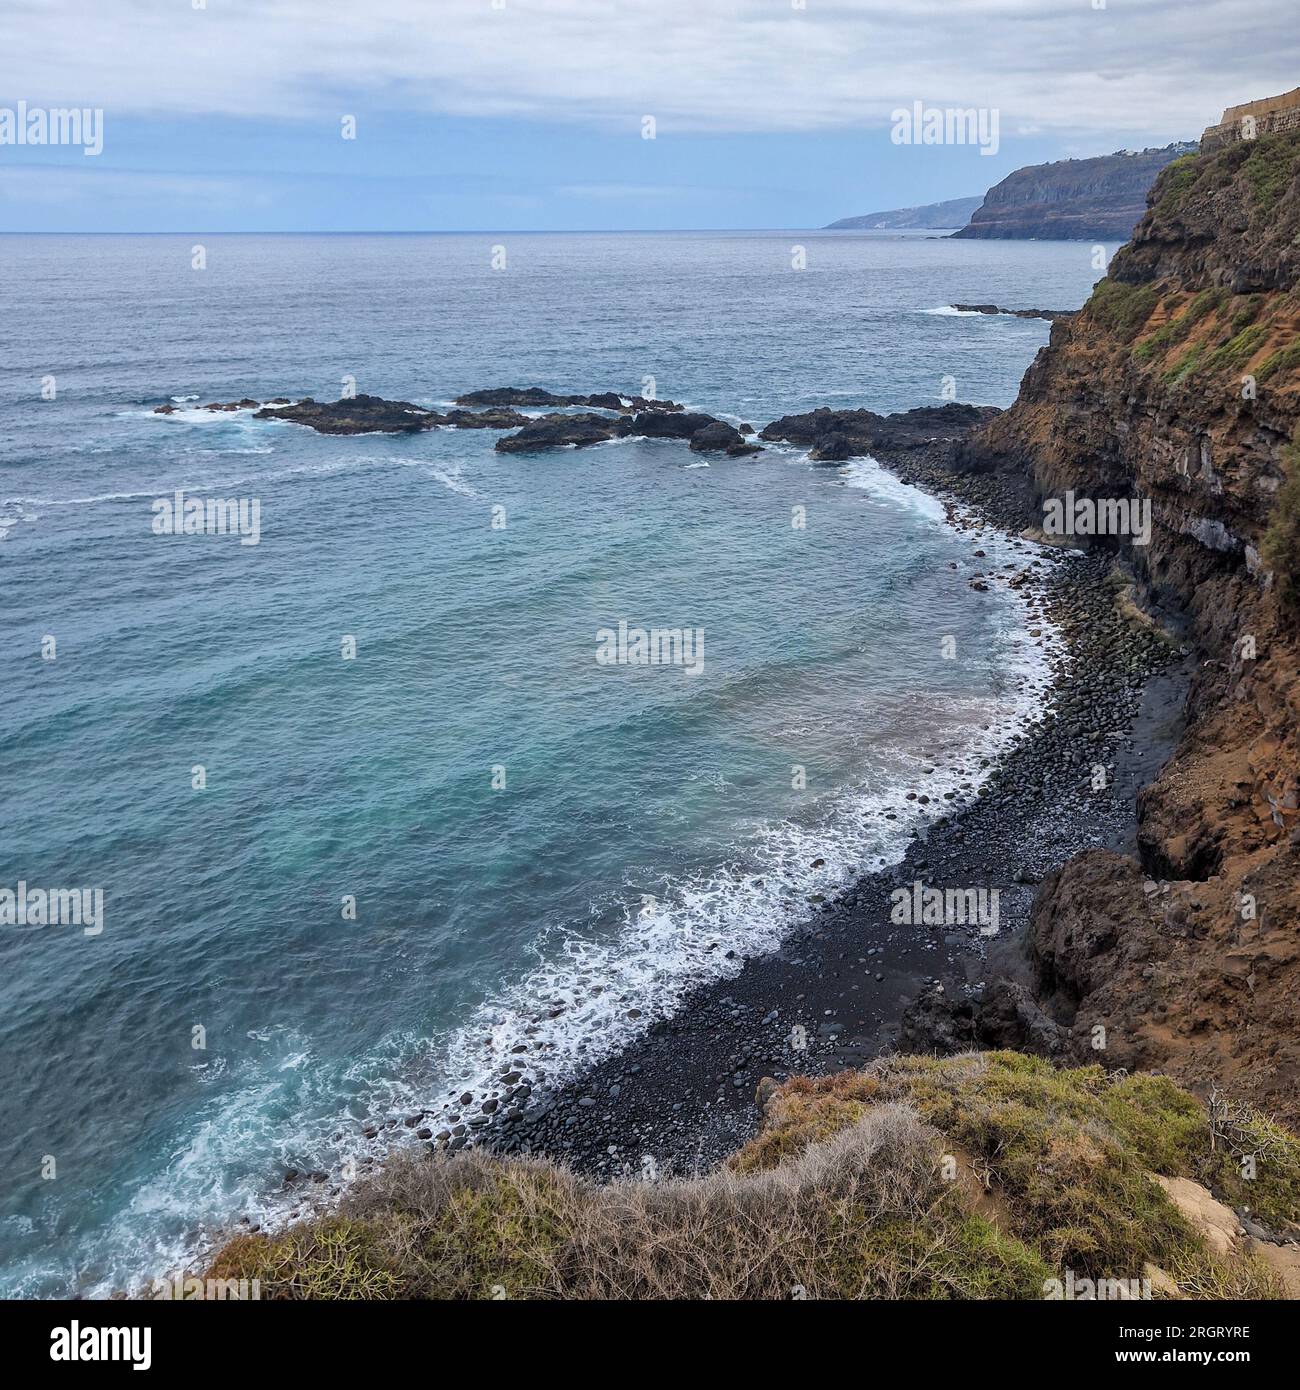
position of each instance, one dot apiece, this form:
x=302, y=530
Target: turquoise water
x=647, y=825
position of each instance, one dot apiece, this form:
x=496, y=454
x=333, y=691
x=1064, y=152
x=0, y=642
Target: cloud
x=617, y=191
x=1163, y=67
x=37, y=184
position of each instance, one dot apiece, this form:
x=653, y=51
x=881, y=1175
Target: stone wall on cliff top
x=1180, y=382
x=1268, y=116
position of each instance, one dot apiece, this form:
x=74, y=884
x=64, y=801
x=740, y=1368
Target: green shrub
x=1176, y=328
x=1206, y=303
x=1273, y=1193
x=1271, y=168
x=329, y=1258
x=1239, y=349
x=1184, y=366
x=1122, y=308
x=1176, y=180
x=1247, y=313
x=1284, y=360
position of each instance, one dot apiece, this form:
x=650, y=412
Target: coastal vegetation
x=1272, y=168
x=1281, y=362
x=986, y=1175
x=1269, y=165
x=1122, y=308
x=1176, y=180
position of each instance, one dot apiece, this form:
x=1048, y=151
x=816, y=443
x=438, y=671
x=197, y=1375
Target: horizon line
x=484, y=231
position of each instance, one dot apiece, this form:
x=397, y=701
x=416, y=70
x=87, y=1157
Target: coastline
x=684, y=1096
x=681, y=1097
x=1139, y=830
x=683, y=1092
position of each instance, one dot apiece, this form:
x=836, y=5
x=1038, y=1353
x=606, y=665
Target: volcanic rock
x=355, y=415
x=1015, y=313
x=846, y=433
x=719, y=437
x=658, y=424
x=557, y=430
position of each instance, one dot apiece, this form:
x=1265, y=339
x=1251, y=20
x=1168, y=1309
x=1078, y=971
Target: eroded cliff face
x=1179, y=382
x=1088, y=199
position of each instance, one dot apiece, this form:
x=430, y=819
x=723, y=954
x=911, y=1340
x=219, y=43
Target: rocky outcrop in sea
x=608, y=415
x=994, y=309
x=836, y=435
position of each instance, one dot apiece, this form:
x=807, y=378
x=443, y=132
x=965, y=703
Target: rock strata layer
x=1178, y=385
x=1073, y=199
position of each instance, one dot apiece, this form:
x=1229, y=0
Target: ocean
x=370, y=820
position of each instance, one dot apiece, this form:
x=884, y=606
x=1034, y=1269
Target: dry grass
x=864, y=1213
x=978, y=1176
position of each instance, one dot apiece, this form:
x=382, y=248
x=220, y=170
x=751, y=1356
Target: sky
x=514, y=115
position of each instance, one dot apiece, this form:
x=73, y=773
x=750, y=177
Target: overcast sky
x=513, y=114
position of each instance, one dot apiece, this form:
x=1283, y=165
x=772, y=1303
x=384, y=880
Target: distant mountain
x=1074, y=199
x=954, y=213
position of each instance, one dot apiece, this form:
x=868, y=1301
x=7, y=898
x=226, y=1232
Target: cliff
x=954, y=213
x=1073, y=199
x=1179, y=382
